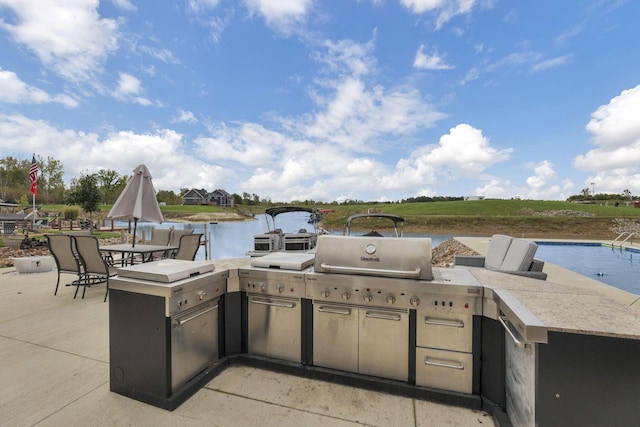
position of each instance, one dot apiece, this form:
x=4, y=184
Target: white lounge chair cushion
x=497, y=251
x=519, y=256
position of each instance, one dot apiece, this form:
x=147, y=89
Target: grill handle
x=272, y=303
x=444, y=363
x=442, y=322
x=403, y=274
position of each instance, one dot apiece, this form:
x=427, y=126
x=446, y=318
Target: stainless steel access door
x=274, y=327
x=194, y=342
x=384, y=343
x=335, y=336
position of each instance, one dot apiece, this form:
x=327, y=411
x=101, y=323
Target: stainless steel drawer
x=444, y=370
x=448, y=331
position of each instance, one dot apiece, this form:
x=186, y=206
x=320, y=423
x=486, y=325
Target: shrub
x=70, y=214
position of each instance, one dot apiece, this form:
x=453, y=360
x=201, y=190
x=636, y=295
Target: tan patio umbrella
x=138, y=200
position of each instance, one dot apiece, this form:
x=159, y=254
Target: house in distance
x=217, y=197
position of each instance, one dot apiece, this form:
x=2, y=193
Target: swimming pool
x=614, y=266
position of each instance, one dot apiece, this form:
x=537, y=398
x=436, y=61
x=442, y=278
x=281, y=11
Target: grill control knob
x=262, y=287
x=201, y=295
x=390, y=299
x=324, y=292
x=345, y=295
x=280, y=287
x=414, y=301
x=367, y=297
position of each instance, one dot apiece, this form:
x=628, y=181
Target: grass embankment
x=528, y=218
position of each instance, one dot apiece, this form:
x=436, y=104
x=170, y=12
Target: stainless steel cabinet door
x=335, y=337
x=194, y=342
x=384, y=343
x=275, y=327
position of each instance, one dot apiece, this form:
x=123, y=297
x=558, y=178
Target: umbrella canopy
x=138, y=200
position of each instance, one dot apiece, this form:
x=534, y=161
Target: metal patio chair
x=160, y=237
x=61, y=247
x=188, y=247
x=176, y=234
x=96, y=269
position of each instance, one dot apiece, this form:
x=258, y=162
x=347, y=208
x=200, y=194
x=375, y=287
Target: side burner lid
x=166, y=271
x=284, y=261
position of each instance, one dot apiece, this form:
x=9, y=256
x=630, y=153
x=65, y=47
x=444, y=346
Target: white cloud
x=550, y=63
x=125, y=5
x=198, y=6
x=615, y=130
x=67, y=37
x=164, y=151
x=464, y=150
x=430, y=62
x=185, y=117
x=283, y=16
x=128, y=88
x=15, y=91
x=444, y=9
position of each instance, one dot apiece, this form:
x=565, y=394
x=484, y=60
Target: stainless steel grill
x=363, y=290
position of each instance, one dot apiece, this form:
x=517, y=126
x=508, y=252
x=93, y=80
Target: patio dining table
x=128, y=251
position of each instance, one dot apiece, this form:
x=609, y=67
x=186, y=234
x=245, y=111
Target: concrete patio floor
x=54, y=371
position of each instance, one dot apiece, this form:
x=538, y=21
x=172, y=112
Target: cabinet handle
x=346, y=311
x=272, y=303
x=452, y=364
x=443, y=322
x=383, y=316
x=510, y=332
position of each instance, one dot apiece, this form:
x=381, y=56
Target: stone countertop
x=565, y=308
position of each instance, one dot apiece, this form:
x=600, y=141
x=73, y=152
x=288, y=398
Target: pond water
x=614, y=266
x=232, y=239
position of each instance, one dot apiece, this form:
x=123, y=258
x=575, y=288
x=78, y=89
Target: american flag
x=33, y=176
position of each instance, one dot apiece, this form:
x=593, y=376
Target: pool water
x=614, y=266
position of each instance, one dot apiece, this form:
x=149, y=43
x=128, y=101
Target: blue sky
x=329, y=99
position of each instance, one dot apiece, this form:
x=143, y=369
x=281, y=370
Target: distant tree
x=168, y=197
x=237, y=199
x=111, y=184
x=627, y=194
x=86, y=194
x=585, y=192
x=50, y=182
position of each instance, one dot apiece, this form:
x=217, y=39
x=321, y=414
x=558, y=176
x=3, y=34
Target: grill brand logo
x=370, y=249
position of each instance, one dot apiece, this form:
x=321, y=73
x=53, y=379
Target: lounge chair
x=96, y=269
x=507, y=255
x=67, y=261
x=188, y=247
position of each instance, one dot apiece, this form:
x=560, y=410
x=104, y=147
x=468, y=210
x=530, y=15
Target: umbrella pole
x=135, y=226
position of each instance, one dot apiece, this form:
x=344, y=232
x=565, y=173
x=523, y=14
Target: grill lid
x=166, y=271
x=408, y=258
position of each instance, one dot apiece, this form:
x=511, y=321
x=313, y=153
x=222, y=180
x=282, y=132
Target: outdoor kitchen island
x=575, y=361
